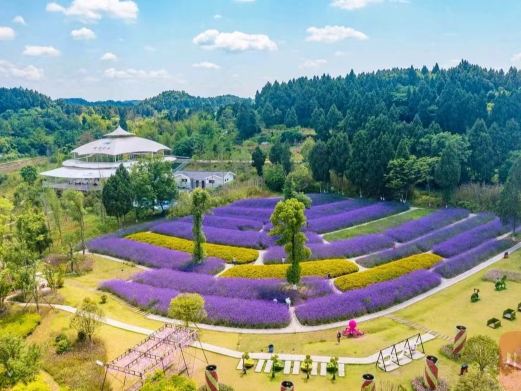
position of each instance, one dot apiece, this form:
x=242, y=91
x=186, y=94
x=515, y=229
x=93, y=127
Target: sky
x=133, y=49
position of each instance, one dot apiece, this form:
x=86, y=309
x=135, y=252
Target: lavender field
x=463, y=240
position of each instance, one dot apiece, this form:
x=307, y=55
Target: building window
x=211, y=181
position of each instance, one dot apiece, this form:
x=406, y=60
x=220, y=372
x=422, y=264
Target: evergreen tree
x=402, y=150
x=276, y=152
x=379, y=153
x=274, y=177
x=268, y=115
x=319, y=162
x=339, y=153
x=482, y=156
x=358, y=164
x=29, y=174
x=258, y=158
x=117, y=194
x=509, y=206
x=247, y=124
x=288, y=220
x=286, y=158
x=334, y=117
x=448, y=171
x=200, y=204
x=318, y=122
x=291, y=120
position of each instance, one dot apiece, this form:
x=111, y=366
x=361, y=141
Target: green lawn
x=378, y=225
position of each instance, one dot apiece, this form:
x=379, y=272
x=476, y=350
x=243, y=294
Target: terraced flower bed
x=403, y=260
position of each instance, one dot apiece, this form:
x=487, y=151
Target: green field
x=378, y=225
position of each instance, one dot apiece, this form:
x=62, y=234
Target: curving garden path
x=296, y=327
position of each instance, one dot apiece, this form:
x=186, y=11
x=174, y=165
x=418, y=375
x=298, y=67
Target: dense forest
x=384, y=131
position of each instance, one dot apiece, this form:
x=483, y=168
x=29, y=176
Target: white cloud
x=109, y=57
x=313, y=63
x=131, y=73
x=94, y=10
x=234, y=42
x=331, y=34
x=6, y=33
x=516, y=58
x=29, y=72
x=351, y=5
x=217, y=16
x=19, y=20
x=83, y=34
x=206, y=65
x=31, y=50
x=149, y=48
x=340, y=53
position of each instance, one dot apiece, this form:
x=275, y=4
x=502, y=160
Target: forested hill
x=20, y=98
x=452, y=98
x=180, y=100
x=98, y=103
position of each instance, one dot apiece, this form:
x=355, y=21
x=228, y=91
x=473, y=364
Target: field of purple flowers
x=463, y=240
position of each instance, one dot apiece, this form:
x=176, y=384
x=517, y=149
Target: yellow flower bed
x=387, y=272
x=335, y=267
x=228, y=253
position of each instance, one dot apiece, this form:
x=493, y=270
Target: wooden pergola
x=163, y=350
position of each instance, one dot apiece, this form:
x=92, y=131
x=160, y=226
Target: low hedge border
x=387, y=271
x=335, y=267
x=240, y=255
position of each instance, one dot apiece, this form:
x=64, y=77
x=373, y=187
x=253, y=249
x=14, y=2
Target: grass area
x=451, y=307
x=378, y=225
x=18, y=322
x=77, y=288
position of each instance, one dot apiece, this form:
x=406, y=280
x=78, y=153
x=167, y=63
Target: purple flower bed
x=389, y=255
x=318, y=211
x=416, y=228
x=354, y=217
x=260, y=214
x=424, y=243
x=469, y=239
x=230, y=237
x=427, y=242
x=224, y=222
x=341, y=248
x=367, y=300
x=153, y=256
x=268, y=203
x=467, y=260
x=221, y=310
x=323, y=198
x=242, y=288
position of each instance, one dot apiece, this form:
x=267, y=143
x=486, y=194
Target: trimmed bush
x=335, y=267
x=387, y=272
x=239, y=254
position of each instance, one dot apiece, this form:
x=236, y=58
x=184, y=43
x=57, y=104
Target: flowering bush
x=335, y=267
x=387, y=272
x=373, y=298
x=267, y=203
x=332, y=208
x=220, y=310
x=232, y=237
x=354, y=217
x=423, y=225
x=153, y=256
x=352, y=247
x=466, y=240
x=259, y=214
x=243, y=288
x=224, y=222
x=467, y=260
x=389, y=255
x=239, y=254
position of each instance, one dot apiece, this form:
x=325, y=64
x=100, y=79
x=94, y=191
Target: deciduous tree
x=188, y=307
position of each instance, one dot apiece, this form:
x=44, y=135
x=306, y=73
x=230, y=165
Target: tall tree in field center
x=200, y=205
x=509, y=208
x=288, y=219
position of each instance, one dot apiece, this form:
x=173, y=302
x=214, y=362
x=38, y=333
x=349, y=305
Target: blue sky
x=132, y=49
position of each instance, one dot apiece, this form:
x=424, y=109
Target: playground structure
x=351, y=331
x=401, y=353
x=163, y=350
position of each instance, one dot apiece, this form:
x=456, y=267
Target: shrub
x=418, y=385
x=37, y=384
x=63, y=346
x=158, y=381
x=19, y=324
x=386, y=272
x=274, y=177
x=335, y=267
x=103, y=299
x=239, y=254
x=222, y=387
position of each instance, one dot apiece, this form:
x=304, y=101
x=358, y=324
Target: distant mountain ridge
x=98, y=103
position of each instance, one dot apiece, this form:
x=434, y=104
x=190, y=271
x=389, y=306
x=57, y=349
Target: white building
x=98, y=160
x=189, y=180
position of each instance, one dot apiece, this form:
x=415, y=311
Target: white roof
x=78, y=173
x=199, y=175
x=120, y=142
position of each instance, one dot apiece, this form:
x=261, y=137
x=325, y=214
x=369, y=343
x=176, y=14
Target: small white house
x=204, y=179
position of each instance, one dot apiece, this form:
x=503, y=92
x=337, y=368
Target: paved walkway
x=230, y=352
